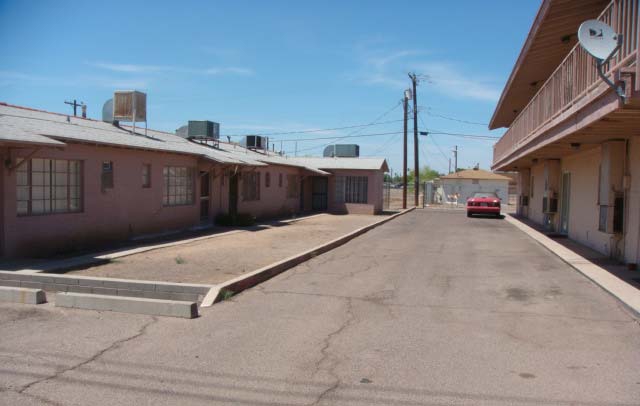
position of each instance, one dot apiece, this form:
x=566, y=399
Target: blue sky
x=276, y=66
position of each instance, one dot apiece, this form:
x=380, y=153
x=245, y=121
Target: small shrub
x=226, y=294
x=225, y=220
x=241, y=220
x=180, y=260
x=245, y=220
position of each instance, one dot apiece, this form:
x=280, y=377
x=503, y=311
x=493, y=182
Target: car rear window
x=481, y=195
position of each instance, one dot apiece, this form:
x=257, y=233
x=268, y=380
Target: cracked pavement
x=431, y=308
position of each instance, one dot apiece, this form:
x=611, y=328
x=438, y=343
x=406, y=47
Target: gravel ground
x=219, y=259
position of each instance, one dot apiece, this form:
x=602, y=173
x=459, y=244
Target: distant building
x=71, y=183
x=466, y=183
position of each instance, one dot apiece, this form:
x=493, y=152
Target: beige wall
x=273, y=199
x=583, y=203
x=535, y=200
x=375, y=196
x=632, y=238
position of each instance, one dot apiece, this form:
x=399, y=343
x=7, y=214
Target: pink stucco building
x=573, y=140
x=69, y=183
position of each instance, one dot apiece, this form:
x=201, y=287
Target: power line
x=472, y=136
x=351, y=134
x=435, y=143
x=345, y=136
x=322, y=129
x=455, y=119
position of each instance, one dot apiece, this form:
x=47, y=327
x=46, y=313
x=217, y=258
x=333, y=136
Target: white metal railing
x=573, y=79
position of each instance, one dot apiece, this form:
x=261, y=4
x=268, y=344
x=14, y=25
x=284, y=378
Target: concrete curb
x=154, y=307
x=106, y=286
x=253, y=278
x=619, y=289
x=9, y=294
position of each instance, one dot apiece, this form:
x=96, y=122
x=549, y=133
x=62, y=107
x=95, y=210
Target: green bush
x=224, y=219
x=245, y=220
x=240, y=220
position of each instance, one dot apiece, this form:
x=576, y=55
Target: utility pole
x=75, y=105
x=455, y=159
x=416, y=163
x=405, y=99
x=449, y=165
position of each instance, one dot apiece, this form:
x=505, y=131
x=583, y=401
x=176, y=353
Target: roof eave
x=540, y=16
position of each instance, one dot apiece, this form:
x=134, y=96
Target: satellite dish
x=598, y=39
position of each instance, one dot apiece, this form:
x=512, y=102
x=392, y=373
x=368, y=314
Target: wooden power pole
x=404, y=156
x=416, y=163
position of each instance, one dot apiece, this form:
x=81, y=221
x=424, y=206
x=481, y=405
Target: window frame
x=50, y=185
x=352, y=189
x=251, y=186
x=174, y=182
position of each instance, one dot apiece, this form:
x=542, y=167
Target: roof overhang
x=551, y=37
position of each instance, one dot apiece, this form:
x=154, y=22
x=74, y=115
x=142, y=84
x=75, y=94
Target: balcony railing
x=574, y=79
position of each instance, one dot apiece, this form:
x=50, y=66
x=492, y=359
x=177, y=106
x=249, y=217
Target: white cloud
x=390, y=69
x=135, y=68
x=128, y=68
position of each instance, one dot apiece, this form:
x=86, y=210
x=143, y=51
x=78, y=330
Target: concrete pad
x=242, y=282
x=625, y=293
x=155, y=307
x=21, y=295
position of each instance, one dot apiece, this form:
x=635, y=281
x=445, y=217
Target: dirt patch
x=219, y=259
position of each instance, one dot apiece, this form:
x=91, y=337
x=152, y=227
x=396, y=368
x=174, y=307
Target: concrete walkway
x=431, y=308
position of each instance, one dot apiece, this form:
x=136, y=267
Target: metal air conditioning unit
x=256, y=142
x=203, y=130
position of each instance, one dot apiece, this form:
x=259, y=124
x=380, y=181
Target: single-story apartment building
x=465, y=183
x=72, y=183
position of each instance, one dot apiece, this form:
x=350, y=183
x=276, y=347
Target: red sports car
x=483, y=203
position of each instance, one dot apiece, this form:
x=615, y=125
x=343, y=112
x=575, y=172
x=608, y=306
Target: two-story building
x=573, y=140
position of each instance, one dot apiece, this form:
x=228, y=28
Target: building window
x=352, y=189
x=251, y=186
x=267, y=179
x=178, y=185
x=107, y=175
x=48, y=186
x=146, y=175
x=292, y=186
x=475, y=181
x=280, y=180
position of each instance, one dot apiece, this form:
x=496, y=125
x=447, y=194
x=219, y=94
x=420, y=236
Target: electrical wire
x=454, y=119
x=352, y=134
x=320, y=129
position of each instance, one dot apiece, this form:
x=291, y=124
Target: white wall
x=466, y=188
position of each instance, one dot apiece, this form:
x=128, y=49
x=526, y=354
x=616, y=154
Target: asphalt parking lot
x=431, y=308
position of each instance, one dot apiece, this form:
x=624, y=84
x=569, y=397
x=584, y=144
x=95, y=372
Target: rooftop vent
x=256, y=142
x=342, y=151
